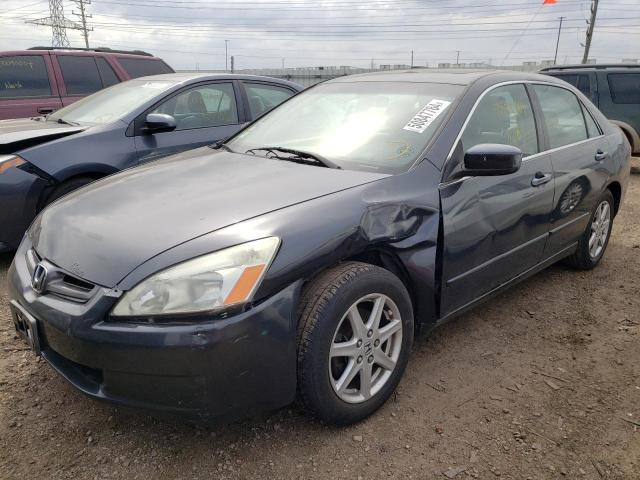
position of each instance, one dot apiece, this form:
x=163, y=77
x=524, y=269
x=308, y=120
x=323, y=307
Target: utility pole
x=372, y=64
x=411, y=58
x=282, y=63
x=226, y=66
x=458, y=58
x=83, y=19
x=555, y=58
x=232, y=62
x=592, y=24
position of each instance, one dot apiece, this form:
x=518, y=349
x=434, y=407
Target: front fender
x=398, y=214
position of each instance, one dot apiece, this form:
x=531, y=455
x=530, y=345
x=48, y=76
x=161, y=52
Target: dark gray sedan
x=304, y=254
x=44, y=158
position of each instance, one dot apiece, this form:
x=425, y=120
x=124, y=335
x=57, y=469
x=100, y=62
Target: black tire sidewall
x=326, y=403
x=66, y=188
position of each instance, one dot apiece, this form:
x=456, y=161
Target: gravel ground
x=542, y=382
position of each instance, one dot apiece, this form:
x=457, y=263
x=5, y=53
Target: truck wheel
x=595, y=238
x=354, y=338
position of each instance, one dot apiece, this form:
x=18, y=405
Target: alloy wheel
x=365, y=348
x=599, y=229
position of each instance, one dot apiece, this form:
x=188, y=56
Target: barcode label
x=425, y=117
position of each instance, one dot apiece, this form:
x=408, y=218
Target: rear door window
x=592, y=127
x=24, y=76
x=141, y=67
x=562, y=115
x=106, y=73
x=80, y=73
x=263, y=97
x=624, y=87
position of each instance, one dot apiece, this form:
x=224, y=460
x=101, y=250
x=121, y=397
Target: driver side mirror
x=488, y=159
x=159, y=122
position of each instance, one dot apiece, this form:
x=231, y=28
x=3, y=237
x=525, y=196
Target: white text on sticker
x=425, y=117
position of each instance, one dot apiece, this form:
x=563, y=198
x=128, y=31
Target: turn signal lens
x=10, y=161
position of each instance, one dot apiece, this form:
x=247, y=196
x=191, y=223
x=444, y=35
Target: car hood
x=102, y=232
x=22, y=133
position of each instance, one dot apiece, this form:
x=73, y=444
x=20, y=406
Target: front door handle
x=600, y=155
x=540, y=179
x=46, y=110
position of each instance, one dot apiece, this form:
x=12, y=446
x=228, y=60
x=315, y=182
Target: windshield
x=110, y=104
x=376, y=126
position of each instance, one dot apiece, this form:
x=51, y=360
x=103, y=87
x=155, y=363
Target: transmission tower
x=60, y=24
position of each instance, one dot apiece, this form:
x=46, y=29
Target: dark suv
x=614, y=89
x=40, y=80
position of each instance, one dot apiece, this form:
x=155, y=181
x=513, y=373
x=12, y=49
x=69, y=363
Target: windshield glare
x=112, y=103
x=379, y=126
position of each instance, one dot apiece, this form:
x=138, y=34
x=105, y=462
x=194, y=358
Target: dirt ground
x=543, y=382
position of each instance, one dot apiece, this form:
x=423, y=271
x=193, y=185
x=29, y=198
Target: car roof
x=192, y=77
x=454, y=76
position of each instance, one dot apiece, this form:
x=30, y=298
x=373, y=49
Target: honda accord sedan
x=301, y=257
x=126, y=125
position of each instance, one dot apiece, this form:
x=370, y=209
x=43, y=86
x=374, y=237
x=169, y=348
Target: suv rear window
x=141, y=67
x=624, y=87
x=24, y=76
x=80, y=74
x=580, y=81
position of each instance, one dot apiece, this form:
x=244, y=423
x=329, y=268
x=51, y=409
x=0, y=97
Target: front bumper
x=20, y=192
x=226, y=367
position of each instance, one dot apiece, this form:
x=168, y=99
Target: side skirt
x=499, y=289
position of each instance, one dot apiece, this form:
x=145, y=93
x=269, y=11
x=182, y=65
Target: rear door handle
x=600, y=155
x=540, y=179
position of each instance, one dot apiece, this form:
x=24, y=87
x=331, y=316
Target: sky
x=191, y=34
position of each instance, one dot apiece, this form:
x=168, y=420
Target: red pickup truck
x=42, y=79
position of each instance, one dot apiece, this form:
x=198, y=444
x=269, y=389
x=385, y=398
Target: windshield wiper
x=221, y=145
x=306, y=157
x=67, y=122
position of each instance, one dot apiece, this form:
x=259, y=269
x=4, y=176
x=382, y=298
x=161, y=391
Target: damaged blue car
x=301, y=257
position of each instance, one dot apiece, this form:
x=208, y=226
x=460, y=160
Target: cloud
x=191, y=34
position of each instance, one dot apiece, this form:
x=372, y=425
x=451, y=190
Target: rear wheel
x=354, y=338
x=595, y=239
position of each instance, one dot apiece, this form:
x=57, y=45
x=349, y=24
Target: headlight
x=210, y=282
x=8, y=161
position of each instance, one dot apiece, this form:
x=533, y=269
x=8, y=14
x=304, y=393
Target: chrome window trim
x=516, y=82
x=442, y=185
x=552, y=150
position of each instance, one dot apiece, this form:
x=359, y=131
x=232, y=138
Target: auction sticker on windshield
x=157, y=85
x=425, y=117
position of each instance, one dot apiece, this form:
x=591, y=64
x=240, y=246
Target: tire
x=327, y=319
x=586, y=257
x=67, y=187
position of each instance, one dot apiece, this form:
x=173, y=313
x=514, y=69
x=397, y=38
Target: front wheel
x=354, y=338
x=595, y=239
